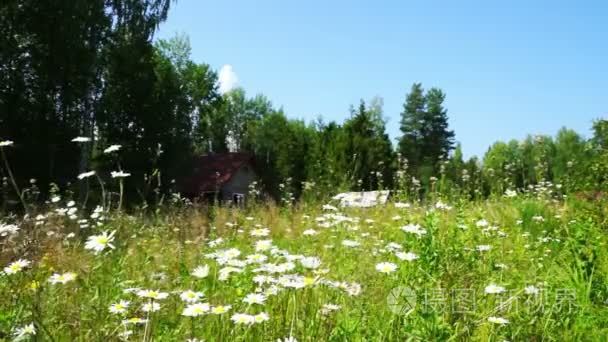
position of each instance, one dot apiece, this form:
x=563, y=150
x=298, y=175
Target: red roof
x=213, y=170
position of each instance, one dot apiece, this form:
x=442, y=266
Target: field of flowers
x=516, y=268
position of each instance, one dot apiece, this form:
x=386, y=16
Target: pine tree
x=439, y=140
x=426, y=139
x=366, y=150
x=412, y=126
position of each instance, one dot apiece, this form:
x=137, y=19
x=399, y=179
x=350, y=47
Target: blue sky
x=508, y=68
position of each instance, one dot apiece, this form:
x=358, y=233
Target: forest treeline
x=93, y=69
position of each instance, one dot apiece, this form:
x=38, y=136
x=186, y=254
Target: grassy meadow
x=521, y=268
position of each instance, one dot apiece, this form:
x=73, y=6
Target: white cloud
x=227, y=79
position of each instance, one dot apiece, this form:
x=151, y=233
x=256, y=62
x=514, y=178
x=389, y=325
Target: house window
x=238, y=199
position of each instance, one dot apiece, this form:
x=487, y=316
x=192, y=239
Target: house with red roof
x=223, y=177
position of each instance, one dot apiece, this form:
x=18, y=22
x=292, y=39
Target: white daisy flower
x=350, y=243
x=152, y=294
x=225, y=272
x=10, y=229
x=329, y=207
x=119, y=174
x=482, y=223
x=309, y=232
x=197, y=309
x=409, y=256
x=62, y=278
x=256, y=258
x=220, y=309
x=81, y=139
x=242, y=318
x=24, y=332
x=254, y=298
x=86, y=175
x=190, y=296
x=97, y=243
x=494, y=289
x=498, y=320
x=261, y=317
x=531, y=290
x=263, y=245
x=16, y=266
x=292, y=281
x=288, y=339
x=483, y=248
x=125, y=334
x=538, y=218
x=120, y=307
x=134, y=321
x=328, y=308
x=414, y=229
x=311, y=262
x=112, y=148
x=260, y=232
x=150, y=307
x=386, y=267
x=201, y=271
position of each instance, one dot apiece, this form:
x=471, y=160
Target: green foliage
x=199, y=98
x=597, y=168
x=91, y=69
x=69, y=66
x=426, y=138
x=569, y=162
x=281, y=147
x=365, y=150
x=51, y=61
x=412, y=119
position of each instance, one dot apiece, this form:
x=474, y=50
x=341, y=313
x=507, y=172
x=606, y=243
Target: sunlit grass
x=504, y=269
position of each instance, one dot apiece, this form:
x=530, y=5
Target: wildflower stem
x=147, y=323
x=121, y=194
x=192, y=328
x=86, y=196
x=293, y=319
x=37, y=316
x=10, y=174
x=103, y=191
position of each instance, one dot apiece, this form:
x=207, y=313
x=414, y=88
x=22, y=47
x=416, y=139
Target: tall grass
x=549, y=256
